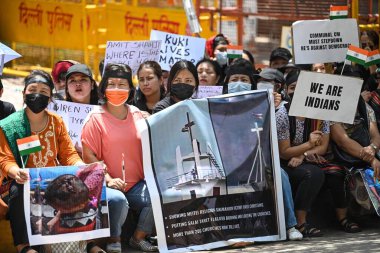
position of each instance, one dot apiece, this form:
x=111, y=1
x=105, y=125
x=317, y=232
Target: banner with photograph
x=73, y=114
x=323, y=41
x=176, y=47
x=326, y=97
x=66, y=203
x=213, y=172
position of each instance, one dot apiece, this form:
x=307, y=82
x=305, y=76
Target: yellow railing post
x=355, y=9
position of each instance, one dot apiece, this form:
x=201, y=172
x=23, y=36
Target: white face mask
x=221, y=58
x=263, y=85
x=238, y=86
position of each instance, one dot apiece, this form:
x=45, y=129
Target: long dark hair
x=139, y=99
x=177, y=67
x=216, y=67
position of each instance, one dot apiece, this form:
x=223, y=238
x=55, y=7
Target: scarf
x=16, y=126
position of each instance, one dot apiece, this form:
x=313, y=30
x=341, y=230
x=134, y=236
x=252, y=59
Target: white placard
x=326, y=97
x=323, y=41
x=176, y=47
x=209, y=91
x=132, y=53
x=73, y=114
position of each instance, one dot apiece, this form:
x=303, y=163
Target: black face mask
x=36, y=102
x=182, y=91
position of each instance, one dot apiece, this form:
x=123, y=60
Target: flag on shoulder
x=373, y=58
x=337, y=12
x=356, y=54
x=234, y=51
x=28, y=145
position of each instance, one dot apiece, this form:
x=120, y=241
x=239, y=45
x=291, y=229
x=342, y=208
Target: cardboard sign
x=73, y=114
x=132, y=53
x=191, y=15
x=323, y=41
x=326, y=97
x=176, y=47
x=209, y=91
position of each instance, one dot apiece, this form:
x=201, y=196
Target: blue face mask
x=221, y=58
x=238, y=86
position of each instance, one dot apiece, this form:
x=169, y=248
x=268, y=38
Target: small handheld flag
x=234, y=51
x=373, y=58
x=337, y=12
x=28, y=145
x=356, y=54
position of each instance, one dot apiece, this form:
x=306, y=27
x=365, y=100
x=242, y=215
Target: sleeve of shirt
x=326, y=127
x=92, y=136
x=67, y=155
x=7, y=159
x=282, y=123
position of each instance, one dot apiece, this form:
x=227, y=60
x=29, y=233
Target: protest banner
x=323, y=41
x=55, y=214
x=208, y=91
x=176, y=47
x=73, y=114
x=213, y=172
x=132, y=53
x=326, y=97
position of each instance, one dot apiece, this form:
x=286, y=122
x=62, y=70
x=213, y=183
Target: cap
x=61, y=67
x=280, y=52
x=79, y=68
x=272, y=74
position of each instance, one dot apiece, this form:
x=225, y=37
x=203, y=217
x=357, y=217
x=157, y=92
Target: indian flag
x=28, y=145
x=234, y=51
x=356, y=54
x=373, y=58
x=338, y=12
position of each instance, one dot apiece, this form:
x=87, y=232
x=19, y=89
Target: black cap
x=79, y=68
x=272, y=74
x=280, y=52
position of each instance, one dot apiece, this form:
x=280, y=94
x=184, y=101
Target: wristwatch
x=374, y=146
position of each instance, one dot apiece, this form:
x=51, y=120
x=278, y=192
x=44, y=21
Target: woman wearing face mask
x=182, y=83
x=209, y=72
x=240, y=77
x=151, y=89
x=59, y=77
x=111, y=135
x=80, y=86
x=57, y=148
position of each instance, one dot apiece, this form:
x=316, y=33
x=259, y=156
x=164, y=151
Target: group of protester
x=110, y=134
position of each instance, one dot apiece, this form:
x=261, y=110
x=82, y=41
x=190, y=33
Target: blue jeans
x=290, y=218
x=138, y=199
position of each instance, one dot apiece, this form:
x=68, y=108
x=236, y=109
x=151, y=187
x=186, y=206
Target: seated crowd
x=110, y=134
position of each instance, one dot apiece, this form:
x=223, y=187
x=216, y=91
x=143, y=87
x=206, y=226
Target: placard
x=132, y=53
x=176, y=47
x=323, y=41
x=326, y=97
x=205, y=91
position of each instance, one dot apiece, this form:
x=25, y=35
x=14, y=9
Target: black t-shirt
x=6, y=109
x=163, y=104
